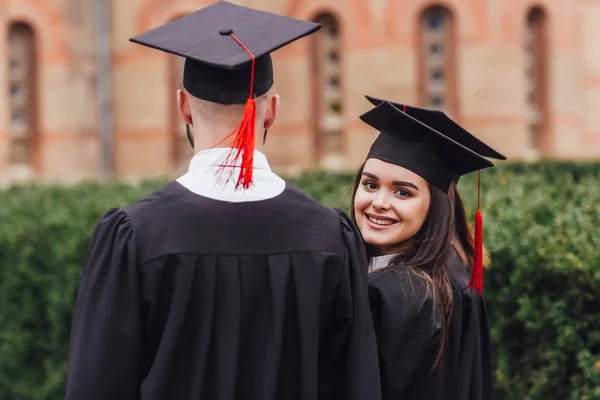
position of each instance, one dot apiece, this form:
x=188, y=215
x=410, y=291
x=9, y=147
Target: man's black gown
x=184, y=297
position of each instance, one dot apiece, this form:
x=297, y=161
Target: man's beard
x=189, y=135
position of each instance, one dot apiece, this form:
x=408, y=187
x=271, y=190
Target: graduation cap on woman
x=408, y=142
x=439, y=121
x=227, y=61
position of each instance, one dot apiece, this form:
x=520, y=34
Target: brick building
x=78, y=101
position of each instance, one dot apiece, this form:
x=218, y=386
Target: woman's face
x=391, y=205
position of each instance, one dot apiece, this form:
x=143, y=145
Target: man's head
x=210, y=122
x=227, y=50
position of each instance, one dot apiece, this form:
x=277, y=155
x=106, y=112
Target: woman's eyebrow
x=370, y=175
x=394, y=183
x=404, y=183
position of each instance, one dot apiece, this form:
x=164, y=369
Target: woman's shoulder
x=401, y=289
x=459, y=271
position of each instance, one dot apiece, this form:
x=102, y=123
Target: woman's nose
x=380, y=202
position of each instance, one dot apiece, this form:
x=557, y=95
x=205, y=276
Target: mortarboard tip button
x=226, y=31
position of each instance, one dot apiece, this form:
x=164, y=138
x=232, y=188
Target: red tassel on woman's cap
x=245, y=135
x=477, y=269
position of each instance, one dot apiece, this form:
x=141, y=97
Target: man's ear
x=184, y=107
x=272, y=109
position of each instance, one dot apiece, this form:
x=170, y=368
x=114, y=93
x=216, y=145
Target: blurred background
x=79, y=101
x=88, y=122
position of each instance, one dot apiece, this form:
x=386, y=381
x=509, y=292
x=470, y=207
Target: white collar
x=202, y=180
x=381, y=261
x=216, y=156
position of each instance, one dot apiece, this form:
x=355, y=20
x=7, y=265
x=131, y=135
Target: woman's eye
x=403, y=193
x=370, y=185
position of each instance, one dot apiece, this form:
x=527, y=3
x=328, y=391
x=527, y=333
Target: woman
x=402, y=208
x=469, y=372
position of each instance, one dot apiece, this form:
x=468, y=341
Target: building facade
x=79, y=101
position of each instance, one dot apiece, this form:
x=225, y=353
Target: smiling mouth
x=380, y=221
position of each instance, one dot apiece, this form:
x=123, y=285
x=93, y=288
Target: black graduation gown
x=469, y=374
x=407, y=327
x=184, y=297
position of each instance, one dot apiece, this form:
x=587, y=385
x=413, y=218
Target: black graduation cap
x=439, y=121
x=409, y=143
x=216, y=41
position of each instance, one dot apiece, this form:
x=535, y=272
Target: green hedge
x=542, y=225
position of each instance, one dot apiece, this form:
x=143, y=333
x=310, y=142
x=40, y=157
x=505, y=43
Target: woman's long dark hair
x=462, y=236
x=428, y=256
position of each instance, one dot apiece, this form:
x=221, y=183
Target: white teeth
x=380, y=221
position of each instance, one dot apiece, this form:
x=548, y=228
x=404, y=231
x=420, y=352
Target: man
x=228, y=283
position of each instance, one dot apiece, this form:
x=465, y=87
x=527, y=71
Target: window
x=536, y=75
x=327, y=93
x=436, y=70
x=22, y=95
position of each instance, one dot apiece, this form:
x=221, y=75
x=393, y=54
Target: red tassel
x=245, y=135
x=477, y=268
x=243, y=146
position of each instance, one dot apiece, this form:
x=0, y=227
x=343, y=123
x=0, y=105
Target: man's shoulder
x=294, y=194
x=291, y=222
x=305, y=209
x=147, y=204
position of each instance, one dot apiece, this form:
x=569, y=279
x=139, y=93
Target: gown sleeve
x=106, y=332
x=475, y=379
x=487, y=371
x=469, y=373
x=358, y=364
x=407, y=326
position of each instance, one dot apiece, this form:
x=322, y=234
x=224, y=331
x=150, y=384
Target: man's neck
x=206, y=142
x=220, y=149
